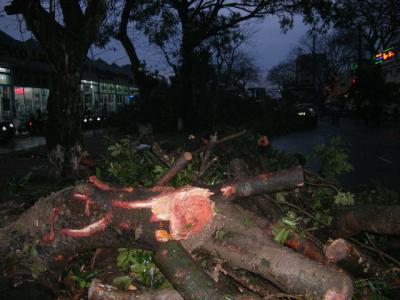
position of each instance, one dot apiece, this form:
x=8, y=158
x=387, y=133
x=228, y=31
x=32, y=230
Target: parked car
x=303, y=115
x=7, y=130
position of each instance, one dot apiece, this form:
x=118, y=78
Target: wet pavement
x=21, y=142
x=374, y=152
x=27, y=153
x=26, y=142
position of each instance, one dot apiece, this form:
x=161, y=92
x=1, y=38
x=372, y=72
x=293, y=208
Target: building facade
x=25, y=76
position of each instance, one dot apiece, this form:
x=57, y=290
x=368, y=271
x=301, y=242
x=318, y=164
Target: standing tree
x=283, y=74
x=66, y=41
x=191, y=23
x=121, y=33
x=375, y=23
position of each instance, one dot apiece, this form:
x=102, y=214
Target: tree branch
x=129, y=47
x=100, y=291
x=72, y=12
x=376, y=219
x=178, y=165
x=191, y=281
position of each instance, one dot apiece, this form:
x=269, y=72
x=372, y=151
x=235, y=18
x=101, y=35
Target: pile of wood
x=188, y=224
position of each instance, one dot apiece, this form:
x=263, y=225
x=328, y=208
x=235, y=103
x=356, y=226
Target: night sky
x=267, y=45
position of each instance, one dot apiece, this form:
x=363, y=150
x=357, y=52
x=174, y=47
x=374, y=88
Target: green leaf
x=115, y=153
x=122, y=282
x=282, y=236
x=345, y=199
x=122, y=259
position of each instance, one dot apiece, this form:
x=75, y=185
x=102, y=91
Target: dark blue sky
x=267, y=46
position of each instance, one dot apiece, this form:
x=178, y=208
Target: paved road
x=374, y=152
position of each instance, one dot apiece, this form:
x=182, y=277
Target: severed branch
x=161, y=154
x=263, y=183
x=307, y=247
x=352, y=259
x=288, y=270
x=257, y=285
x=372, y=218
x=100, y=291
x=223, y=140
x=188, y=278
x=177, y=166
x=206, y=151
x=220, y=271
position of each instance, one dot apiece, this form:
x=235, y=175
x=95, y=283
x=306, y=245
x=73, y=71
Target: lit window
x=5, y=79
x=4, y=70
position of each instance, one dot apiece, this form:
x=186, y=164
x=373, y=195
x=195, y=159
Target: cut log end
x=336, y=295
x=188, y=156
x=337, y=250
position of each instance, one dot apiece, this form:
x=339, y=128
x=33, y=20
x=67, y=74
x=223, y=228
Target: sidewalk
x=15, y=164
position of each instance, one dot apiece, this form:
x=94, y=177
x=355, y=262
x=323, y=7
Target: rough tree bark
x=352, y=259
x=100, y=291
x=137, y=69
x=92, y=216
x=176, y=167
x=66, y=47
x=377, y=219
x=186, y=276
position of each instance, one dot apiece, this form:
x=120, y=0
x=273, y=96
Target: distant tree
x=243, y=71
x=283, y=74
x=66, y=37
x=233, y=67
x=189, y=24
x=376, y=24
x=338, y=45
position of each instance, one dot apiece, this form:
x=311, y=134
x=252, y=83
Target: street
x=374, y=152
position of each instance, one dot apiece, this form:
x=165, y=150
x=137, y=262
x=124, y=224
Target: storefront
x=5, y=94
x=25, y=76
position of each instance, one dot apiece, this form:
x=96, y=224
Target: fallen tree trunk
x=186, y=276
x=375, y=219
x=288, y=270
x=90, y=216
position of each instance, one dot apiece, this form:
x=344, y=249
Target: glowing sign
x=385, y=55
x=19, y=91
